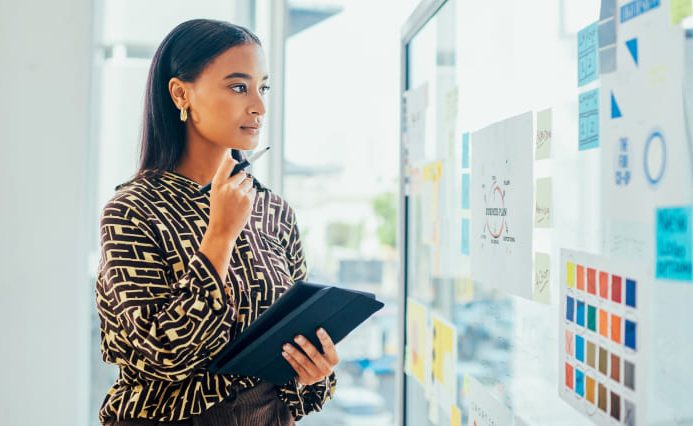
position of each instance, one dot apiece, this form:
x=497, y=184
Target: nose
x=257, y=105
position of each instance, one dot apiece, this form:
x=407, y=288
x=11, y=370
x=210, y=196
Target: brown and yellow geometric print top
x=165, y=312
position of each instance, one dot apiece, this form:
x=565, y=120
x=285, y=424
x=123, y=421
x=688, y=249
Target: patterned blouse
x=163, y=308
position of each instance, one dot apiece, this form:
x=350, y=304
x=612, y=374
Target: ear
x=179, y=92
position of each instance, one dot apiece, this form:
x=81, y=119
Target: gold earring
x=183, y=115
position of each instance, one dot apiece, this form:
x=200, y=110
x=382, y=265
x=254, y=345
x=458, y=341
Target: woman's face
x=227, y=100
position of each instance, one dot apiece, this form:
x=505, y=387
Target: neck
x=200, y=159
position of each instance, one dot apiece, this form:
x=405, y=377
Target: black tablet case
x=301, y=310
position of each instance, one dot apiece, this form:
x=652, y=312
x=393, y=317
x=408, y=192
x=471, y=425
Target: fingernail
x=287, y=347
x=285, y=355
x=322, y=332
x=299, y=339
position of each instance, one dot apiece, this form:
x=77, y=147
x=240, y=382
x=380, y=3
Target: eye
x=239, y=88
x=264, y=89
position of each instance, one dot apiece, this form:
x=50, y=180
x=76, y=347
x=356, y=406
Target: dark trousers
x=256, y=406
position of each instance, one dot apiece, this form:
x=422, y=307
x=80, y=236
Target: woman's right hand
x=231, y=201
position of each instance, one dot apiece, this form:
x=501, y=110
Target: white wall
x=44, y=158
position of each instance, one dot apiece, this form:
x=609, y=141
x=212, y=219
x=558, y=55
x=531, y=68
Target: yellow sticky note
x=680, y=9
x=455, y=416
x=570, y=275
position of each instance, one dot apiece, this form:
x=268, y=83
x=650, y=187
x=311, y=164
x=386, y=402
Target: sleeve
x=163, y=329
x=310, y=398
x=313, y=397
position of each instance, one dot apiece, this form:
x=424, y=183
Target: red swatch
x=591, y=281
x=616, y=288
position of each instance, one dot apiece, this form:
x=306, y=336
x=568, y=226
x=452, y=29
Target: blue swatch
x=588, y=54
x=465, y=150
x=465, y=191
x=674, y=244
x=631, y=293
x=629, y=340
x=465, y=237
x=569, y=308
x=589, y=120
x=579, y=382
x=580, y=348
x=580, y=313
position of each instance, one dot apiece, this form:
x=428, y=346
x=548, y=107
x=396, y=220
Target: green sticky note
x=680, y=9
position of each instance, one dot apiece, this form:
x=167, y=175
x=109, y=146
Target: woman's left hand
x=316, y=366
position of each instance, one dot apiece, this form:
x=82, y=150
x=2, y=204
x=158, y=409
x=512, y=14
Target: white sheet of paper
x=484, y=409
x=502, y=208
x=603, y=338
x=646, y=160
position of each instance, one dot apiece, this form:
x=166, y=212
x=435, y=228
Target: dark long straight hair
x=184, y=53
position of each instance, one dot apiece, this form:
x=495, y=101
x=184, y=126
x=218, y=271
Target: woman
x=181, y=273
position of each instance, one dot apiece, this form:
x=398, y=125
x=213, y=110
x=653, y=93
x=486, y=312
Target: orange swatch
x=616, y=328
x=590, y=389
x=604, y=323
x=591, y=281
x=604, y=285
x=581, y=277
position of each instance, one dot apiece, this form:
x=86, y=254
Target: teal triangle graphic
x=632, y=46
x=615, y=110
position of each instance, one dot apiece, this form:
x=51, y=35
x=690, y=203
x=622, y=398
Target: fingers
x=328, y=349
x=315, y=356
x=224, y=169
x=301, y=364
x=246, y=185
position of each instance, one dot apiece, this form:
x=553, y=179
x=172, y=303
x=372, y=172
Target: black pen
x=238, y=168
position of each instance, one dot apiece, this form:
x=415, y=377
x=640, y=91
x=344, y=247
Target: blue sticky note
x=588, y=54
x=589, y=120
x=465, y=190
x=630, y=334
x=569, y=308
x=579, y=382
x=631, y=293
x=465, y=237
x=465, y=150
x=674, y=244
x=580, y=313
x=580, y=348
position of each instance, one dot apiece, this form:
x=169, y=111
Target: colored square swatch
x=603, y=361
x=590, y=389
x=569, y=308
x=592, y=318
x=601, y=396
x=579, y=382
x=615, y=406
x=570, y=275
x=628, y=413
x=569, y=346
x=615, y=368
x=581, y=277
x=604, y=285
x=616, y=328
x=603, y=323
x=580, y=313
x=616, y=288
x=580, y=348
x=591, y=354
x=629, y=374
x=591, y=281
x=569, y=375
x=629, y=338
x=630, y=293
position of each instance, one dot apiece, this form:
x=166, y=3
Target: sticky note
x=616, y=289
x=569, y=308
x=635, y=8
x=579, y=382
x=579, y=348
x=465, y=237
x=592, y=318
x=603, y=323
x=604, y=285
x=680, y=9
x=588, y=120
x=465, y=150
x=591, y=354
x=580, y=313
x=629, y=338
x=674, y=244
x=588, y=59
x=544, y=204
x=581, y=277
x=631, y=289
x=616, y=328
x=455, y=415
x=541, y=292
x=615, y=368
x=570, y=275
x=590, y=389
x=543, y=138
x=465, y=190
x=569, y=375
x=591, y=281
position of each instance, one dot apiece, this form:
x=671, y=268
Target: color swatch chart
x=601, y=338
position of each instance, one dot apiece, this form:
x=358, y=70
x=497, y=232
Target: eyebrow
x=243, y=76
